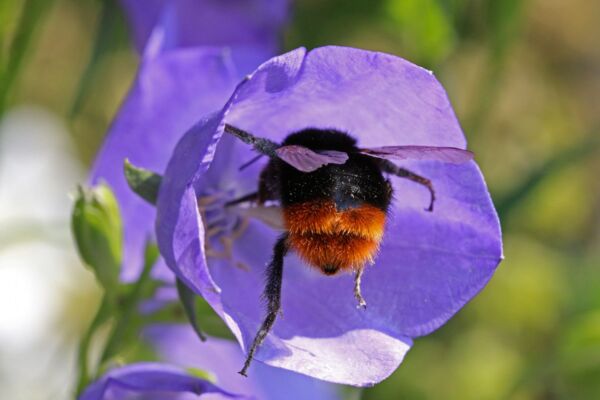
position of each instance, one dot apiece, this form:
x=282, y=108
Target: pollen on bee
x=334, y=240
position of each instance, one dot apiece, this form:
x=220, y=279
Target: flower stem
x=124, y=322
x=83, y=350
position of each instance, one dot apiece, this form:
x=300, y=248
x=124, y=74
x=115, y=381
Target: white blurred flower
x=38, y=169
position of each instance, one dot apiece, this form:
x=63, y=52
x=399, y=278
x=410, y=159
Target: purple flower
x=170, y=92
x=152, y=381
x=175, y=85
x=179, y=345
x=429, y=264
x=192, y=23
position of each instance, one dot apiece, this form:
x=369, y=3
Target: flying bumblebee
x=334, y=199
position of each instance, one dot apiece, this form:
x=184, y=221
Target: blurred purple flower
x=170, y=92
x=429, y=265
x=191, y=23
x=152, y=381
x=176, y=85
x=179, y=345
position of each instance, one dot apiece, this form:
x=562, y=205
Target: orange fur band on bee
x=323, y=236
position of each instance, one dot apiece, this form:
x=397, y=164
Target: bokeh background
x=524, y=77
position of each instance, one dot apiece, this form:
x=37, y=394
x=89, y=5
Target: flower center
x=221, y=228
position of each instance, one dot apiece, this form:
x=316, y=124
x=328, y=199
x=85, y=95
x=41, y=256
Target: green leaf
x=106, y=42
x=188, y=299
x=98, y=233
x=565, y=158
x=143, y=182
x=504, y=19
x=25, y=33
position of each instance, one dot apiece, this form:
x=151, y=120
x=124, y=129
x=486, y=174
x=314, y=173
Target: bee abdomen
x=322, y=217
x=331, y=253
x=333, y=240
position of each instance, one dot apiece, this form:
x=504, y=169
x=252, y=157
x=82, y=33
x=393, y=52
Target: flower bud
x=98, y=233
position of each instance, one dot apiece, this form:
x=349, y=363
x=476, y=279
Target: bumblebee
x=334, y=200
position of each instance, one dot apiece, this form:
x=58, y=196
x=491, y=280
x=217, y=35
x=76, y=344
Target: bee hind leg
x=357, y=293
x=272, y=294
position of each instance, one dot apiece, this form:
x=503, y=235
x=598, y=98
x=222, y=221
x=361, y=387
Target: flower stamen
x=222, y=229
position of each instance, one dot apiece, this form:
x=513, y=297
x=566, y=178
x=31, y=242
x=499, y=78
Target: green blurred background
x=524, y=77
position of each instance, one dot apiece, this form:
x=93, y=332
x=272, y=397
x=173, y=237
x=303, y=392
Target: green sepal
x=143, y=182
x=188, y=300
x=202, y=374
x=98, y=232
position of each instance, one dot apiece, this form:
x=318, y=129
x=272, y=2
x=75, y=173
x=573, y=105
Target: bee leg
x=357, y=278
x=272, y=294
x=243, y=199
x=263, y=146
x=393, y=169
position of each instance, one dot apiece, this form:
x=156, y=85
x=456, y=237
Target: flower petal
x=320, y=336
x=380, y=99
x=440, y=259
x=176, y=87
x=169, y=94
x=153, y=380
x=188, y=23
x=142, y=17
x=179, y=345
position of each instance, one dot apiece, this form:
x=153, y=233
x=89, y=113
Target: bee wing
x=307, y=160
x=452, y=155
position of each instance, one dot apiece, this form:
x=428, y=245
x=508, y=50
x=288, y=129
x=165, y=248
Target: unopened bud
x=98, y=232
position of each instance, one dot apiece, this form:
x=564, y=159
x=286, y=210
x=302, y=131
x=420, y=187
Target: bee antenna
x=249, y=163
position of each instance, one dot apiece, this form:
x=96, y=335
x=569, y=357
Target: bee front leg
x=244, y=199
x=357, y=293
x=263, y=146
x=272, y=294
